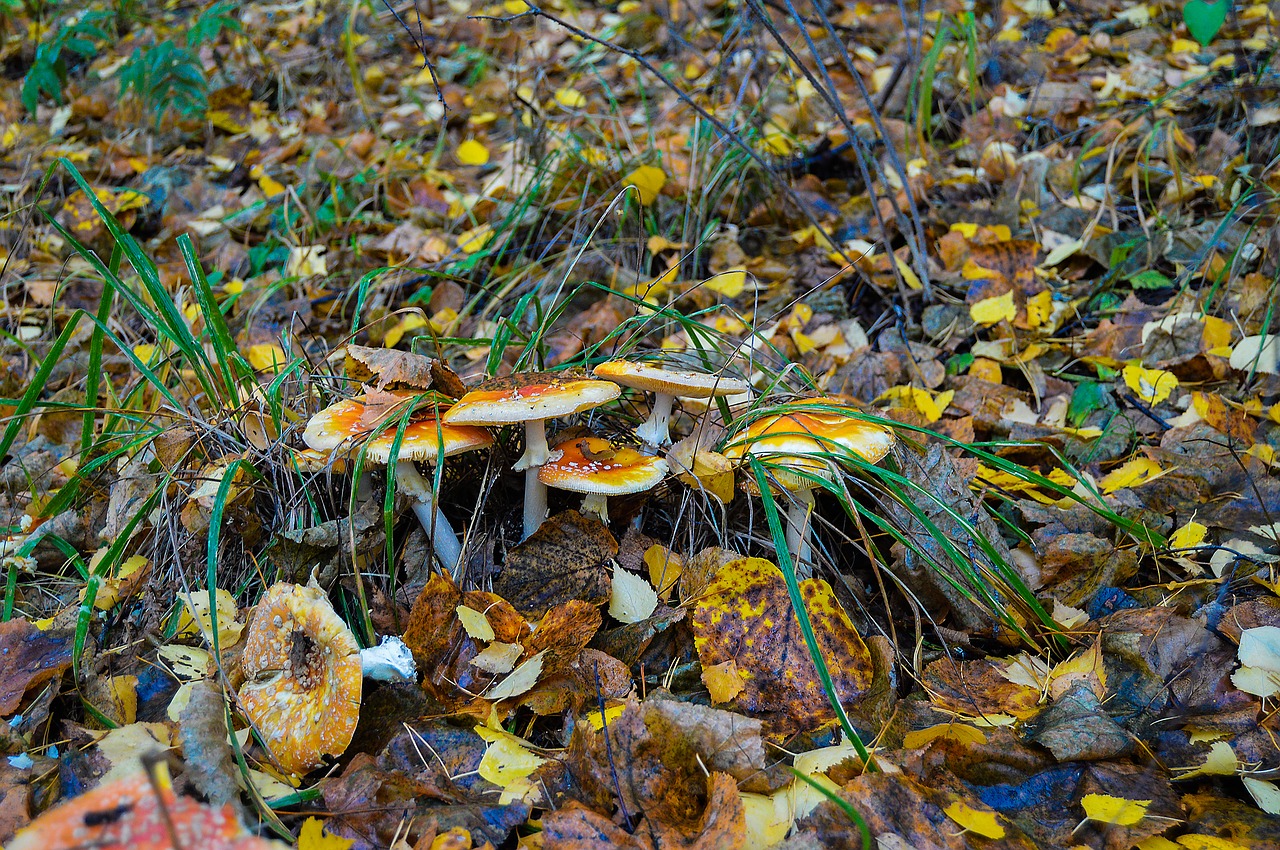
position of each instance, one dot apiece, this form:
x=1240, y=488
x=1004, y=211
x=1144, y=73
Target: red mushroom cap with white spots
x=529, y=396
x=126, y=815
x=340, y=423
x=594, y=466
x=681, y=382
x=303, y=677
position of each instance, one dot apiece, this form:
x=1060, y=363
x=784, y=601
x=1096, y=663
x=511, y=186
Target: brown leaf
x=567, y=558
x=31, y=657
x=401, y=369
x=976, y=688
x=745, y=615
x=563, y=633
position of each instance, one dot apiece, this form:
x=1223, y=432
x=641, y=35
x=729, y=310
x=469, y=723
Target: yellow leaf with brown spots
x=745, y=616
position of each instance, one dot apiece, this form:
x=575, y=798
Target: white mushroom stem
x=656, y=430
x=443, y=541
x=389, y=661
x=598, y=504
x=798, y=532
x=536, y=453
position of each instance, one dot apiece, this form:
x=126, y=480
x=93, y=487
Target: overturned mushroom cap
x=303, y=680
x=802, y=437
x=528, y=397
x=428, y=440
x=339, y=423
x=681, y=382
x=129, y=814
x=594, y=466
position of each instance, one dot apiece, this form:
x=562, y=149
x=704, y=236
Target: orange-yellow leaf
x=980, y=821
x=1132, y=473
x=313, y=837
x=1150, y=385
x=999, y=308
x=472, y=152
x=648, y=180
x=1116, y=811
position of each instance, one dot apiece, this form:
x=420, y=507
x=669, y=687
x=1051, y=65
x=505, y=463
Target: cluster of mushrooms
x=302, y=665
x=797, y=440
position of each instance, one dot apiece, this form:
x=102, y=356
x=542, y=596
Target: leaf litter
x=1035, y=240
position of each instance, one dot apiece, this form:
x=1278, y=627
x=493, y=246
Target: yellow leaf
x=1132, y=473
x=507, y=758
x=980, y=821
x=475, y=623
x=1221, y=761
x=196, y=616
x=917, y=399
x=307, y=261
x=1116, y=811
x=999, y=308
x=658, y=244
x=1156, y=842
x=664, y=566
x=728, y=283
x=1208, y=842
x=1190, y=535
x=909, y=276
x=648, y=180
x=960, y=732
x=1216, y=332
x=1039, y=308
x=473, y=240
x=313, y=837
x=986, y=369
x=269, y=185
x=410, y=322
x=266, y=357
x=724, y=681
x=1150, y=385
x=570, y=99
x=472, y=152
x=631, y=598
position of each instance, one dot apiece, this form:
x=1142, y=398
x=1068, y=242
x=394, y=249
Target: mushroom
x=599, y=469
x=137, y=813
x=426, y=440
x=531, y=398
x=302, y=677
x=666, y=384
x=802, y=442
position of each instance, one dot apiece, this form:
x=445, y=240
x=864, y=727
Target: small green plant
x=165, y=76
x=78, y=36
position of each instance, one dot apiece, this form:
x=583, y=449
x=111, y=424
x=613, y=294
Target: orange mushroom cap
x=339, y=423
x=126, y=815
x=428, y=440
x=303, y=677
x=681, y=382
x=529, y=396
x=804, y=436
x=593, y=465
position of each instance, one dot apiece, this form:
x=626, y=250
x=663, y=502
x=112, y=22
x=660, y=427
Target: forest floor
x=1034, y=246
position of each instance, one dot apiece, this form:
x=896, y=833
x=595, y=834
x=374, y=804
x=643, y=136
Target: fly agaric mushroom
x=802, y=442
x=531, y=399
x=132, y=813
x=302, y=677
x=666, y=384
x=427, y=440
x=595, y=467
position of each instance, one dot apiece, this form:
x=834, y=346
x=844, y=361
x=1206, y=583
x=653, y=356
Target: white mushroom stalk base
x=389, y=661
x=536, y=453
x=798, y=532
x=598, y=504
x=656, y=430
x=445, y=543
